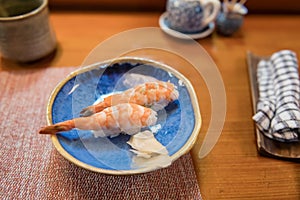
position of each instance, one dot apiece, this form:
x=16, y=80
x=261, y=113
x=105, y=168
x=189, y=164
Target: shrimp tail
x=90, y=110
x=54, y=129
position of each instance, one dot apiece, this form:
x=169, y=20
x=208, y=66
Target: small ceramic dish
x=177, y=127
x=198, y=35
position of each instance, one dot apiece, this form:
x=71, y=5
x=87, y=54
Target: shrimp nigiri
x=127, y=117
x=156, y=94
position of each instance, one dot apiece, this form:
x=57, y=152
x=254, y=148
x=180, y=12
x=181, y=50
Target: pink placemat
x=31, y=168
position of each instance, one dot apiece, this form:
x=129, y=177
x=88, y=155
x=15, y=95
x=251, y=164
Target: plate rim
x=183, y=150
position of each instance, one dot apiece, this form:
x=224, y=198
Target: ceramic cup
x=25, y=32
x=229, y=23
x=191, y=16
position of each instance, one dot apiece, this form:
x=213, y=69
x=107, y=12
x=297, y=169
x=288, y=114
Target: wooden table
x=233, y=169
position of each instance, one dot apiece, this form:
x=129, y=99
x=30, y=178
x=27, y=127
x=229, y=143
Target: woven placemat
x=31, y=168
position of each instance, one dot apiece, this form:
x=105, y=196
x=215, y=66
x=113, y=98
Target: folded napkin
x=31, y=168
x=278, y=113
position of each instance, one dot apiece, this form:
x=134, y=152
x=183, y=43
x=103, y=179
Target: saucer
x=197, y=35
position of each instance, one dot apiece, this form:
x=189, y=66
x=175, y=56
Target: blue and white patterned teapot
x=191, y=16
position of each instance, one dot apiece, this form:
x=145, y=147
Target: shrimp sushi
x=156, y=95
x=128, y=118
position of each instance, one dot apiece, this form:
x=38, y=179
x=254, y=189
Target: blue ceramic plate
x=177, y=127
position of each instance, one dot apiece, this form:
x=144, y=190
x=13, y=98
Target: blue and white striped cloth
x=278, y=113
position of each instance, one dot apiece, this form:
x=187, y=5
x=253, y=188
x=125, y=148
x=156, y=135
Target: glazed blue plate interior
x=174, y=127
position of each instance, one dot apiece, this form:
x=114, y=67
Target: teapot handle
x=210, y=16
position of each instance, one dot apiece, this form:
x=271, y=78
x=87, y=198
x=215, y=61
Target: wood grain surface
x=233, y=169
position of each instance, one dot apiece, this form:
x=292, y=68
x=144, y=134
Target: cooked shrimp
x=127, y=117
x=156, y=94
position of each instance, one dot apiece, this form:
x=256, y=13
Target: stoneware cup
x=25, y=32
x=191, y=16
x=229, y=23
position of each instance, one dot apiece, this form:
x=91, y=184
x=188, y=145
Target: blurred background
x=254, y=6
